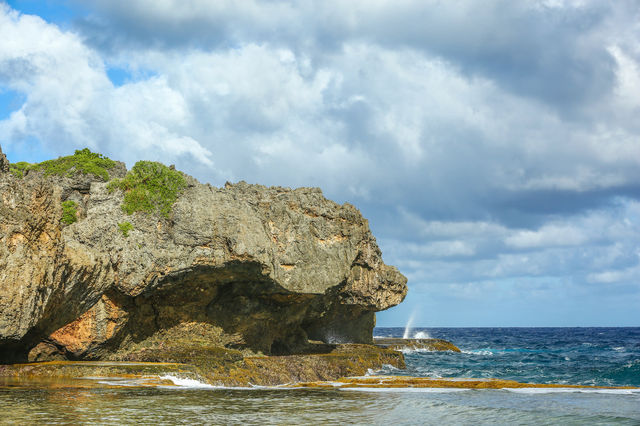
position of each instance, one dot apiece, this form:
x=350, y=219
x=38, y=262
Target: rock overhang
x=291, y=251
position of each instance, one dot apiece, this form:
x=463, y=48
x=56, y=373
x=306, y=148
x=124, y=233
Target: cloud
x=70, y=102
x=549, y=51
x=494, y=146
x=548, y=235
x=595, y=247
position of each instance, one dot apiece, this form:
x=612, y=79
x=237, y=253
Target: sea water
x=572, y=356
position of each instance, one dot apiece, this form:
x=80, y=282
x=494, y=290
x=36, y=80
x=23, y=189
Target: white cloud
x=477, y=162
x=547, y=236
x=71, y=103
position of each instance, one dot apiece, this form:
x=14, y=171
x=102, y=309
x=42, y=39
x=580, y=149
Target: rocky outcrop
x=215, y=366
x=430, y=345
x=4, y=163
x=243, y=266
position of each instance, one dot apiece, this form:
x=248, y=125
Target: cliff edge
x=244, y=266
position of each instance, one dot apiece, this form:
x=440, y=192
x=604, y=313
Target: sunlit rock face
x=255, y=267
x=4, y=163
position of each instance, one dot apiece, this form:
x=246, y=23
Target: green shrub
x=18, y=169
x=149, y=187
x=125, y=227
x=83, y=161
x=69, y=212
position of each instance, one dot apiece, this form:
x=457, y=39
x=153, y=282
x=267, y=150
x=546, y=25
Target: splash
x=422, y=335
x=186, y=382
x=407, y=328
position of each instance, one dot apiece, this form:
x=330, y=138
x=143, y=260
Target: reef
x=98, y=262
x=416, y=344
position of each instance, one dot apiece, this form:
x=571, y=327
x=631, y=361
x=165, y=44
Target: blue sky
x=494, y=146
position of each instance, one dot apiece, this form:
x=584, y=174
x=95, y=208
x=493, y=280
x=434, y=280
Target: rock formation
x=416, y=344
x=243, y=266
x=4, y=163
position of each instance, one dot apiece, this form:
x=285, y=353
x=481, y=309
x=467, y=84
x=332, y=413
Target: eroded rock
x=4, y=163
x=416, y=344
x=268, y=268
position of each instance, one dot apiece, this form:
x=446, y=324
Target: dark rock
x=416, y=344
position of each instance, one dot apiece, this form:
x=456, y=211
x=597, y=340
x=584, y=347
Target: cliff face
x=242, y=266
x=4, y=163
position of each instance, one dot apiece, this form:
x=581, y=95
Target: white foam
x=422, y=335
x=406, y=350
x=478, y=352
x=422, y=390
x=187, y=383
x=574, y=390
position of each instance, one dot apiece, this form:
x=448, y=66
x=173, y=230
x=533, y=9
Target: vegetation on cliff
x=150, y=187
x=69, y=212
x=125, y=227
x=82, y=161
x=20, y=168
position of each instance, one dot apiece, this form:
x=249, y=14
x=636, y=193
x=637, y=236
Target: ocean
x=571, y=356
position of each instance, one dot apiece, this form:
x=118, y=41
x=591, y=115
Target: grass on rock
x=82, y=161
x=125, y=227
x=150, y=187
x=69, y=212
x=19, y=169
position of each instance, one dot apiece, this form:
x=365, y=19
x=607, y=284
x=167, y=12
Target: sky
x=493, y=145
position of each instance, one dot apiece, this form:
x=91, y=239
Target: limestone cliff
x=243, y=266
x=4, y=163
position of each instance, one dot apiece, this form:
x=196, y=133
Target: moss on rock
x=125, y=227
x=416, y=344
x=69, y=212
x=230, y=367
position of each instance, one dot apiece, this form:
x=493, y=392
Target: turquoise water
x=571, y=356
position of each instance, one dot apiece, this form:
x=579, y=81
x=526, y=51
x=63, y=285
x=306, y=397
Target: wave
x=408, y=350
x=574, y=390
x=629, y=373
x=407, y=389
x=483, y=352
x=182, y=382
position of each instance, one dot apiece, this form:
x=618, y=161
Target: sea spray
x=408, y=329
x=409, y=326
x=184, y=382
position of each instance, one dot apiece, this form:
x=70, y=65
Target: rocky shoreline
x=217, y=367
x=244, y=283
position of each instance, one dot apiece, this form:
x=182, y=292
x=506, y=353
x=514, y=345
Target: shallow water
x=533, y=355
x=311, y=406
